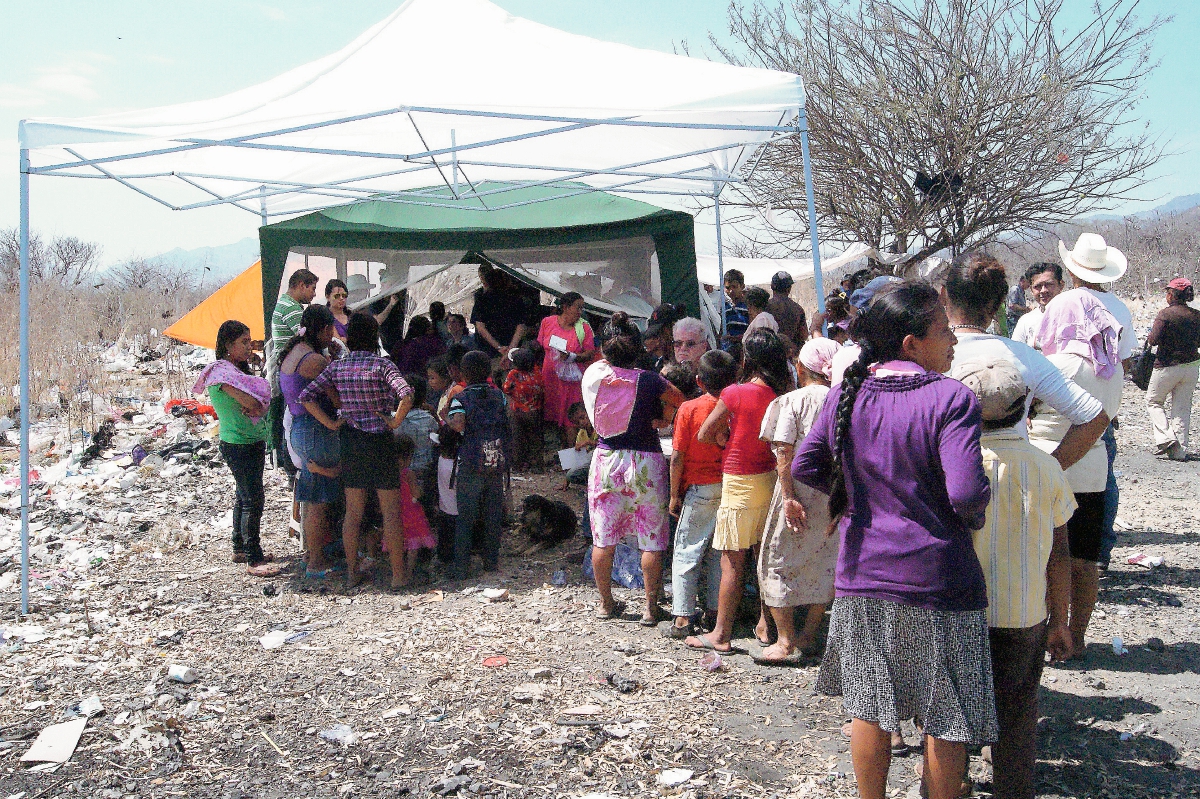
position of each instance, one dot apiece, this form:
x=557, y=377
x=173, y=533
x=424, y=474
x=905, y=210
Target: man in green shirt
x=285, y=323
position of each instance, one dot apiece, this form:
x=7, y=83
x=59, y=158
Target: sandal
x=707, y=645
x=677, y=633
x=795, y=659
x=309, y=574
x=654, y=619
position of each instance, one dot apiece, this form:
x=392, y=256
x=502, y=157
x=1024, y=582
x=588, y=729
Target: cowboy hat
x=1092, y=260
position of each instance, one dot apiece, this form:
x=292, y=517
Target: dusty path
x=406, y=672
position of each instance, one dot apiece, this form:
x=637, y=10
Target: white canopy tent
x=391, y=112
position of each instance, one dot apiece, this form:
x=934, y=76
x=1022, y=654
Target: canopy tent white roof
x=399, y=108
x=392, y=111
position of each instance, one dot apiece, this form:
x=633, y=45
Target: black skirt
x=369, y=460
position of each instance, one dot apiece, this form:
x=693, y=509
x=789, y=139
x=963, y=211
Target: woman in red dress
x=570, y=346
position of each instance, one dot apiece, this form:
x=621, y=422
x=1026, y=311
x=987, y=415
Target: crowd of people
x=944, y=490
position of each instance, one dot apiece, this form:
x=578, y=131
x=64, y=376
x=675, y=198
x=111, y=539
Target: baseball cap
x=781, y=281
x=1180, y=284
x=998, y=385
x=664, y=316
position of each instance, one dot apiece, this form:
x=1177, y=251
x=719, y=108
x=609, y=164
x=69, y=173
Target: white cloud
x=275, y=14
x=69, y=83
x=13, y=96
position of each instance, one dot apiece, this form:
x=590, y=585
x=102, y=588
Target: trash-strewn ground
x=132, y=575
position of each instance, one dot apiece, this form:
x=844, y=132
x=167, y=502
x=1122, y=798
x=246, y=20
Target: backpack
x=486, y=445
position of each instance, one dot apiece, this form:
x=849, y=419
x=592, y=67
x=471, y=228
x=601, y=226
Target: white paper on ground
x=56, y=743
x=571, y=458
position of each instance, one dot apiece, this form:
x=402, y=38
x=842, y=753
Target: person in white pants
x=1176, y=333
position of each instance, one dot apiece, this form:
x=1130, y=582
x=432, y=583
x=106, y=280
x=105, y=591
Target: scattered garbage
x=495, y=594
x=1118, y=646
x=559, y=578
x=529, y=692
x=183, y=674
x=1141, y=559
x=674, y=776
x=711, y=661
x=339, y=734
x=92, y=706
x=56, y=743
x=623, y=684
x=495, y=661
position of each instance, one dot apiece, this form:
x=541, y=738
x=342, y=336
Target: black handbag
x=1142, y=367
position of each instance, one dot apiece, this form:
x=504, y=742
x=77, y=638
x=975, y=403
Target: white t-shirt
x=1045, y=381
x=1090, y=473
x=841, y=361
x=1027, y=327
x=1127, y=338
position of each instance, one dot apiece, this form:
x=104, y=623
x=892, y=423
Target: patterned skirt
x=890, y=662
x=628, y=494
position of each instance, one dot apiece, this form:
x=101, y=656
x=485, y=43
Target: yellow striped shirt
x=1030, y=497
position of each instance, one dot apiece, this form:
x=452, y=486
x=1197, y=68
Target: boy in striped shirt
x=1026, y=562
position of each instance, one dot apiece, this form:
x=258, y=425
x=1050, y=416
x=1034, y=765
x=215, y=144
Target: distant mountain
x=1173, y=206
x=222, y=262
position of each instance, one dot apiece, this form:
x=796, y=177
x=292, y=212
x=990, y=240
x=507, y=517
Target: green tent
x=618, y=253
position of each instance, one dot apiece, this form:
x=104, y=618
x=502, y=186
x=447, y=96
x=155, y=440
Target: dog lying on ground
x=547, y=522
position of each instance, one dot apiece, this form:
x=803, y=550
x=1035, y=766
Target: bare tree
x=10, y=258
x=71, y=261
x=942, y=124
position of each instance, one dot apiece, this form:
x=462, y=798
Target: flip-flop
x=266, y=569
x=707, y=645
x=309, y=574
x=794, y=660
x=678, y=633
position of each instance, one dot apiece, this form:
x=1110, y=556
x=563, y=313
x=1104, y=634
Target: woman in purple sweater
x=896, y=447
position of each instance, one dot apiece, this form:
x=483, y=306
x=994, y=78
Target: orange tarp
x=240, y=299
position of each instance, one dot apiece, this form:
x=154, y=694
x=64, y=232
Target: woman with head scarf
x=1079, y=336
x=796, y=569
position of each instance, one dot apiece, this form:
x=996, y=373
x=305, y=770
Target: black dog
x=546, y=521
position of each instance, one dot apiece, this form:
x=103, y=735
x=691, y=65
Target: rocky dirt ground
x=439, y=690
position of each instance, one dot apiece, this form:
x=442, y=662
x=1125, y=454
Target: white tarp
x=380, y=116
x=758, y=271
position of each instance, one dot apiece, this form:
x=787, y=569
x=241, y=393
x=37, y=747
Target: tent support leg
x=818, y=281
x=720, y=257
x=262, y=204
x=454, y=160
x=24, y=347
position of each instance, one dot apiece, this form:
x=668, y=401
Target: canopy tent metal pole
x=720, y=255
x=24, y=346
x=818, y=281
x=454, y=159
x=262, y=204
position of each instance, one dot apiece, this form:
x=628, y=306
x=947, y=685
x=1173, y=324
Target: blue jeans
x=478, y=494
x=246, y=462
x=693, y=548
x=1112, y=498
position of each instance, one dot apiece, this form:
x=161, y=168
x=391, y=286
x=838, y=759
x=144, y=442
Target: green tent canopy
x=617, y=252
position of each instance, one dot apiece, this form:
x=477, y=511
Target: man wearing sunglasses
x=689, y=340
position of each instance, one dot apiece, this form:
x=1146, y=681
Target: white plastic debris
x=339, y=734
x=495, y=594
x=183, y=674
x=273, y=639
x=1119, y=646
x=674, y=776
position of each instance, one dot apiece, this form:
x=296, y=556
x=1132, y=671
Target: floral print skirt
x=628, y=493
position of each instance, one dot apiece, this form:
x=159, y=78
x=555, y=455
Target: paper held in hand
x=571, y=458
x=557, y=343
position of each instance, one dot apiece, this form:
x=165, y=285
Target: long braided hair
x=900, y=310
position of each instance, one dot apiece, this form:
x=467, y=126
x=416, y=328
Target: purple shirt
x=369, y=387
x=916, y=487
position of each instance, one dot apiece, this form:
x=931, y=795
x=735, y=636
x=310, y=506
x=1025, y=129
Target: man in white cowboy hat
x=1093, y=265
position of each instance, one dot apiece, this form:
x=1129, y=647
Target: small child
x=585, y=440
x=526, y=395
x=447, y=498
x=437, y=378
x=683, y=377
x=478, y=413
x=695, y=496
x=417, y=535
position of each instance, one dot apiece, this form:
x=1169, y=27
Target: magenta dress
x=417, y=534
x=561, y=395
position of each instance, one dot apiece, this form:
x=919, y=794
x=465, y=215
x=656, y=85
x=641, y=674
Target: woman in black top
x=1176, y=333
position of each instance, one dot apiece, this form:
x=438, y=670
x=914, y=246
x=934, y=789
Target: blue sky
x=79, y=58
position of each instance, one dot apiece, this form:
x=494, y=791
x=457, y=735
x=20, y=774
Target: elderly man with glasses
x=690, y=340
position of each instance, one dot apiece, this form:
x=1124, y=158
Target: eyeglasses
x=681, y=344
x=337, y=295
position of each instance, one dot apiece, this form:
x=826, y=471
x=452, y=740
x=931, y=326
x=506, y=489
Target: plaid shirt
x=524, y=390
x=369, y=387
